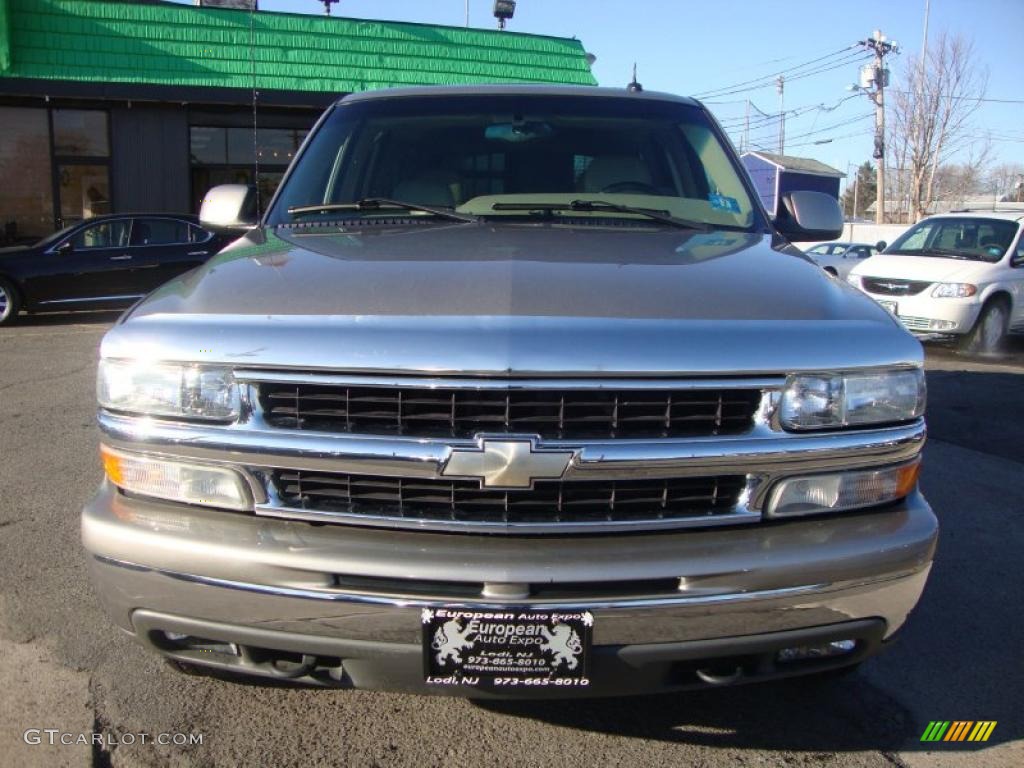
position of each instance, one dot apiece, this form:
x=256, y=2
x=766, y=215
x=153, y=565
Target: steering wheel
x=631, y=186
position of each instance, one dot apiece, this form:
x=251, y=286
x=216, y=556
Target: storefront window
x=225, y=156
x=208, y=146
x=80, y=133
x=84, y=192
x=26, y=196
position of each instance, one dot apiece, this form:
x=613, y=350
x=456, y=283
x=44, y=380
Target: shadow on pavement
x=800, y=714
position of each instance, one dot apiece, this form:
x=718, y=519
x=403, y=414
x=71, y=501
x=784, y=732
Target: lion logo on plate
x=563, y=642
x=449, y=639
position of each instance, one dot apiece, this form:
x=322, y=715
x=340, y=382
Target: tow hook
x=715, y=678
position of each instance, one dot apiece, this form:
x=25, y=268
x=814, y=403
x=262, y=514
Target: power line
x=831, y=138
x=832, y=127
x=846, y=50
x=973, y=98
x=800, y=76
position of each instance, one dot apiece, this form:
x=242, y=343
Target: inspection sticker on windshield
x=723, y=203
x=506, y=648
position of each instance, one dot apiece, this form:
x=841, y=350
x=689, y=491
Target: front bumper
x=273, y=589
x=924, y=315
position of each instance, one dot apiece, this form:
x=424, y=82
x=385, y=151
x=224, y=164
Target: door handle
x=123, y=257
x=197, y=253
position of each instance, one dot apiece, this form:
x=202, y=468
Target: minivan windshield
x=957, y=237
x=514, y=156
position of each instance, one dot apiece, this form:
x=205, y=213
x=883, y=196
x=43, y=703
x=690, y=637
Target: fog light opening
x=176, y=641
x=818, y=651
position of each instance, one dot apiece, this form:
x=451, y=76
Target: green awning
x=180, y=45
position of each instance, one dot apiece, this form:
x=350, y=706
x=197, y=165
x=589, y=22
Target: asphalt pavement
x=64, y=667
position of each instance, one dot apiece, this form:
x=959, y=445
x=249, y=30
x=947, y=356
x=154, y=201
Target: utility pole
x=746, y=128
x=879, y=77
x=780, y=84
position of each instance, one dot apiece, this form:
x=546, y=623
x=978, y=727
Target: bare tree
x=931, y=117
x=1007, y=179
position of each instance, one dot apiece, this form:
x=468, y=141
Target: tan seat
x=606, y=170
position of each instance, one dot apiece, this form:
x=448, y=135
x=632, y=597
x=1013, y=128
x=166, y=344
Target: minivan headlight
x=177, y=390
x=954, y=291
x=831, y=400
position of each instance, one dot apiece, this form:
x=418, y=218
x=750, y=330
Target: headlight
x=954, y=291
x=817, y=494
x=168, y=389
x=826, y=401
x=176, y=480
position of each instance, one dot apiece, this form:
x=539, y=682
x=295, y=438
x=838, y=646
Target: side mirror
x=65, y=248
x=808, y=216
x=881, y=245
x=229, y=208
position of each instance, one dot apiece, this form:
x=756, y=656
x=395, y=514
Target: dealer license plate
x=514, y=648
x=891, y=306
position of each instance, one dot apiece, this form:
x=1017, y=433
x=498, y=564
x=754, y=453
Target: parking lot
x=63, y=666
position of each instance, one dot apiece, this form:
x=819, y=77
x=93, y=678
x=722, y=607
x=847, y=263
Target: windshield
x=58, y=235
x=960, y=237
x=497, y=155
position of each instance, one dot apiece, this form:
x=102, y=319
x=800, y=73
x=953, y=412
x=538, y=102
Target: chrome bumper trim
x=760, y=453
x=741, y=515
x=560, y=605
x=512, y=385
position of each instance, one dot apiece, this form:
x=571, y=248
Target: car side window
x=197, y=234
x=1018, y=256
x=160, y=232
x=105, y=234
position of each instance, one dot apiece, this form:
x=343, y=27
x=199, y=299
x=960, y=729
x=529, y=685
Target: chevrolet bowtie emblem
x=507, y=463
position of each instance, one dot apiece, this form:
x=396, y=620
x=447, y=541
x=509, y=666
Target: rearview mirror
x=65, y=248
x=805, y=216
x=229, y=208
x=881, y=245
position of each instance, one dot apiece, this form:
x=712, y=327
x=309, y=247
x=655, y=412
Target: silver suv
x=512, y=391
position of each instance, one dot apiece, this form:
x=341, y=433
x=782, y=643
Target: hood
x=499, y=298
x=14, y=250
x=933, y=269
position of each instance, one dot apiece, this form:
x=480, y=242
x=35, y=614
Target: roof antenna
x=634, y=86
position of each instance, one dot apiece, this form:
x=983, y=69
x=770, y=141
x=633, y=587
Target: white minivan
x=956, y=274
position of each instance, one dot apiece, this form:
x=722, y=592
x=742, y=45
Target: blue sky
x=690, y=47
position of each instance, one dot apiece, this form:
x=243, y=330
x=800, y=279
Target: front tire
x=989, y=332
x=10, y=302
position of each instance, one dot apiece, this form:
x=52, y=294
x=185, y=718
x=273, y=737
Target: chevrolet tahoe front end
x=512, y=446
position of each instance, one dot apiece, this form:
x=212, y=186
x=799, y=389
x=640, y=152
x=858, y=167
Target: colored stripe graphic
x=958, y=730
x=935, y=730
x=982, y=730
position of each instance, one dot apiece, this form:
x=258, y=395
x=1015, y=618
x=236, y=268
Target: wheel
x=10, y=302
x=988, y=333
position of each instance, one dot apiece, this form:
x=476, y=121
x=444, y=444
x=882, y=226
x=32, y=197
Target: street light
x=503, y=11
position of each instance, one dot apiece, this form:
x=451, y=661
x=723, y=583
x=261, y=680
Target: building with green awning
x=125, y=106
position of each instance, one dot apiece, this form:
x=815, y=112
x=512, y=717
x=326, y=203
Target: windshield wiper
x=601, y=206
x=380, y=204
x=948, y=254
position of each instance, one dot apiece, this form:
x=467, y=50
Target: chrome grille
x=890, y=286
x=554, y=503
x=461, y=412
x=915, y=323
